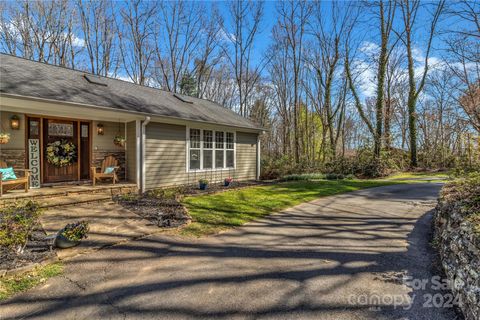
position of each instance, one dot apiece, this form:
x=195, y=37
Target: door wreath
x=61, y=153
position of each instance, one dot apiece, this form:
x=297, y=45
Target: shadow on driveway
x=314, y=261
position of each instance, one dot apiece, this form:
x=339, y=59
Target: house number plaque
x=34, y=162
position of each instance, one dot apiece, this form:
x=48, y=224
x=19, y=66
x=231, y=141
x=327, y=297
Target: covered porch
x=93, y=135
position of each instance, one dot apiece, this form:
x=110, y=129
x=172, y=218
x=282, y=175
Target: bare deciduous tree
x=97, y=20
x=136, y=38
x=245, y=17
x=292, y=22
x=409, y=9
x=386, y=14
x=325, y=57
x=177, y=40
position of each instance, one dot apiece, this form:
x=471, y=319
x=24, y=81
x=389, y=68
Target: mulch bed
x=167, y=213
x=219, y=187
x=37, y=250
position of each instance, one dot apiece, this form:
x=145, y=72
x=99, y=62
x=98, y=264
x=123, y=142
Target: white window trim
x=187, y=145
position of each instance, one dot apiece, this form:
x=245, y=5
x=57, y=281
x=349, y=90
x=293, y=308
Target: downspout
x=142, y=160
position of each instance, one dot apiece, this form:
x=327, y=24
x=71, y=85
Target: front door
x=63, y=131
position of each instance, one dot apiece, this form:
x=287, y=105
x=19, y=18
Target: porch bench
x=19, y=181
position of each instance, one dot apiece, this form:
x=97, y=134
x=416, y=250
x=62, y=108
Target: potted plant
x=227, y=181
x=203, y=183
x=71, y=234
x=4, y=137
x=119, y=141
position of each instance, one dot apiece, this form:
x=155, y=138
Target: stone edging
x=459, y=249
x=29, y=267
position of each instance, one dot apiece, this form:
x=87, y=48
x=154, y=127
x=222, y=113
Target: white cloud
x=417, y=55
x=226, y=36
x=14, y=31
x=77, y=41
x=434, y=63
x=367, y=68
x=366, y=78
x=368, y=47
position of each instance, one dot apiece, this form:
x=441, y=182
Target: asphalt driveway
x=340, y=257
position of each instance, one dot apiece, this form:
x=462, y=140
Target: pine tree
x=188, y=85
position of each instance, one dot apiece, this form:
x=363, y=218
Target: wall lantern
x=100, y=130
x=15, y=122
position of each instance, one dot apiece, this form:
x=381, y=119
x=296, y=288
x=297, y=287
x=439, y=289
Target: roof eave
x=17, y=96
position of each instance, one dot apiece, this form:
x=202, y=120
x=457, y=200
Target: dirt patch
x=38, y=249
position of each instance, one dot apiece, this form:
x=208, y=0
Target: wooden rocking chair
x=11, y=184
x=108, y=162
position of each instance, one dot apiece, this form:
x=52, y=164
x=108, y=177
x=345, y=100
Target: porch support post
x=138, y=153
x=142, y=160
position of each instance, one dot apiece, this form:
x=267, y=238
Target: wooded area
x=350, y=87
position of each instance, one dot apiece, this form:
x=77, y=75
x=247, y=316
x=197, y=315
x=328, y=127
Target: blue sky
x=367, y=28
x=366, y=31
x=367, y=34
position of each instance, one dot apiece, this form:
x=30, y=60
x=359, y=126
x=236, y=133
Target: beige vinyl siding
x=105, y=142
x=131, y=152
x=164, y=155
x=17, y=137
x=246, y=156
x=165, y=158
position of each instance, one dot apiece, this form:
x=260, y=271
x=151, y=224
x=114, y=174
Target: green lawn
x=11, y=285
x=221, y=211
x=418, y=175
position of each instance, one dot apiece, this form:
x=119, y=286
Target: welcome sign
x=34, y=162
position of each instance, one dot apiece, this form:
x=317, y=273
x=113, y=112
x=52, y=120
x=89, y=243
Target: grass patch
x=213, y=213
x=418, y=175
x=11, y=285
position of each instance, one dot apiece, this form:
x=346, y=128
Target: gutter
x=142, y=158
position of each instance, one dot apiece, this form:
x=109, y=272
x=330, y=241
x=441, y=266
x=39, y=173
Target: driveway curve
x=339, y=257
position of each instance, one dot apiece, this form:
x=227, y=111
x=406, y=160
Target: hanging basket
x=119, y=141
x=4, y=138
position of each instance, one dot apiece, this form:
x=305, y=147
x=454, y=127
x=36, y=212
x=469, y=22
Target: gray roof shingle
x=40, y=80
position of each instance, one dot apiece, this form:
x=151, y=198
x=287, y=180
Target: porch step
x=73, y=200
x=67, y=195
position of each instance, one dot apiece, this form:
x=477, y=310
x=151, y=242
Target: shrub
x=76, y=231
x=334, y=176
x=167, y=193
x=460, y=172
x=304, y=177
x=203, y=181
x=464, y=191
x=274, y=168
x=127, y=197
x=363, y=164
x=17, y=223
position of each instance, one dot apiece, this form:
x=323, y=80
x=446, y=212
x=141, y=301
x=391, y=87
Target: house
x=161, y=138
